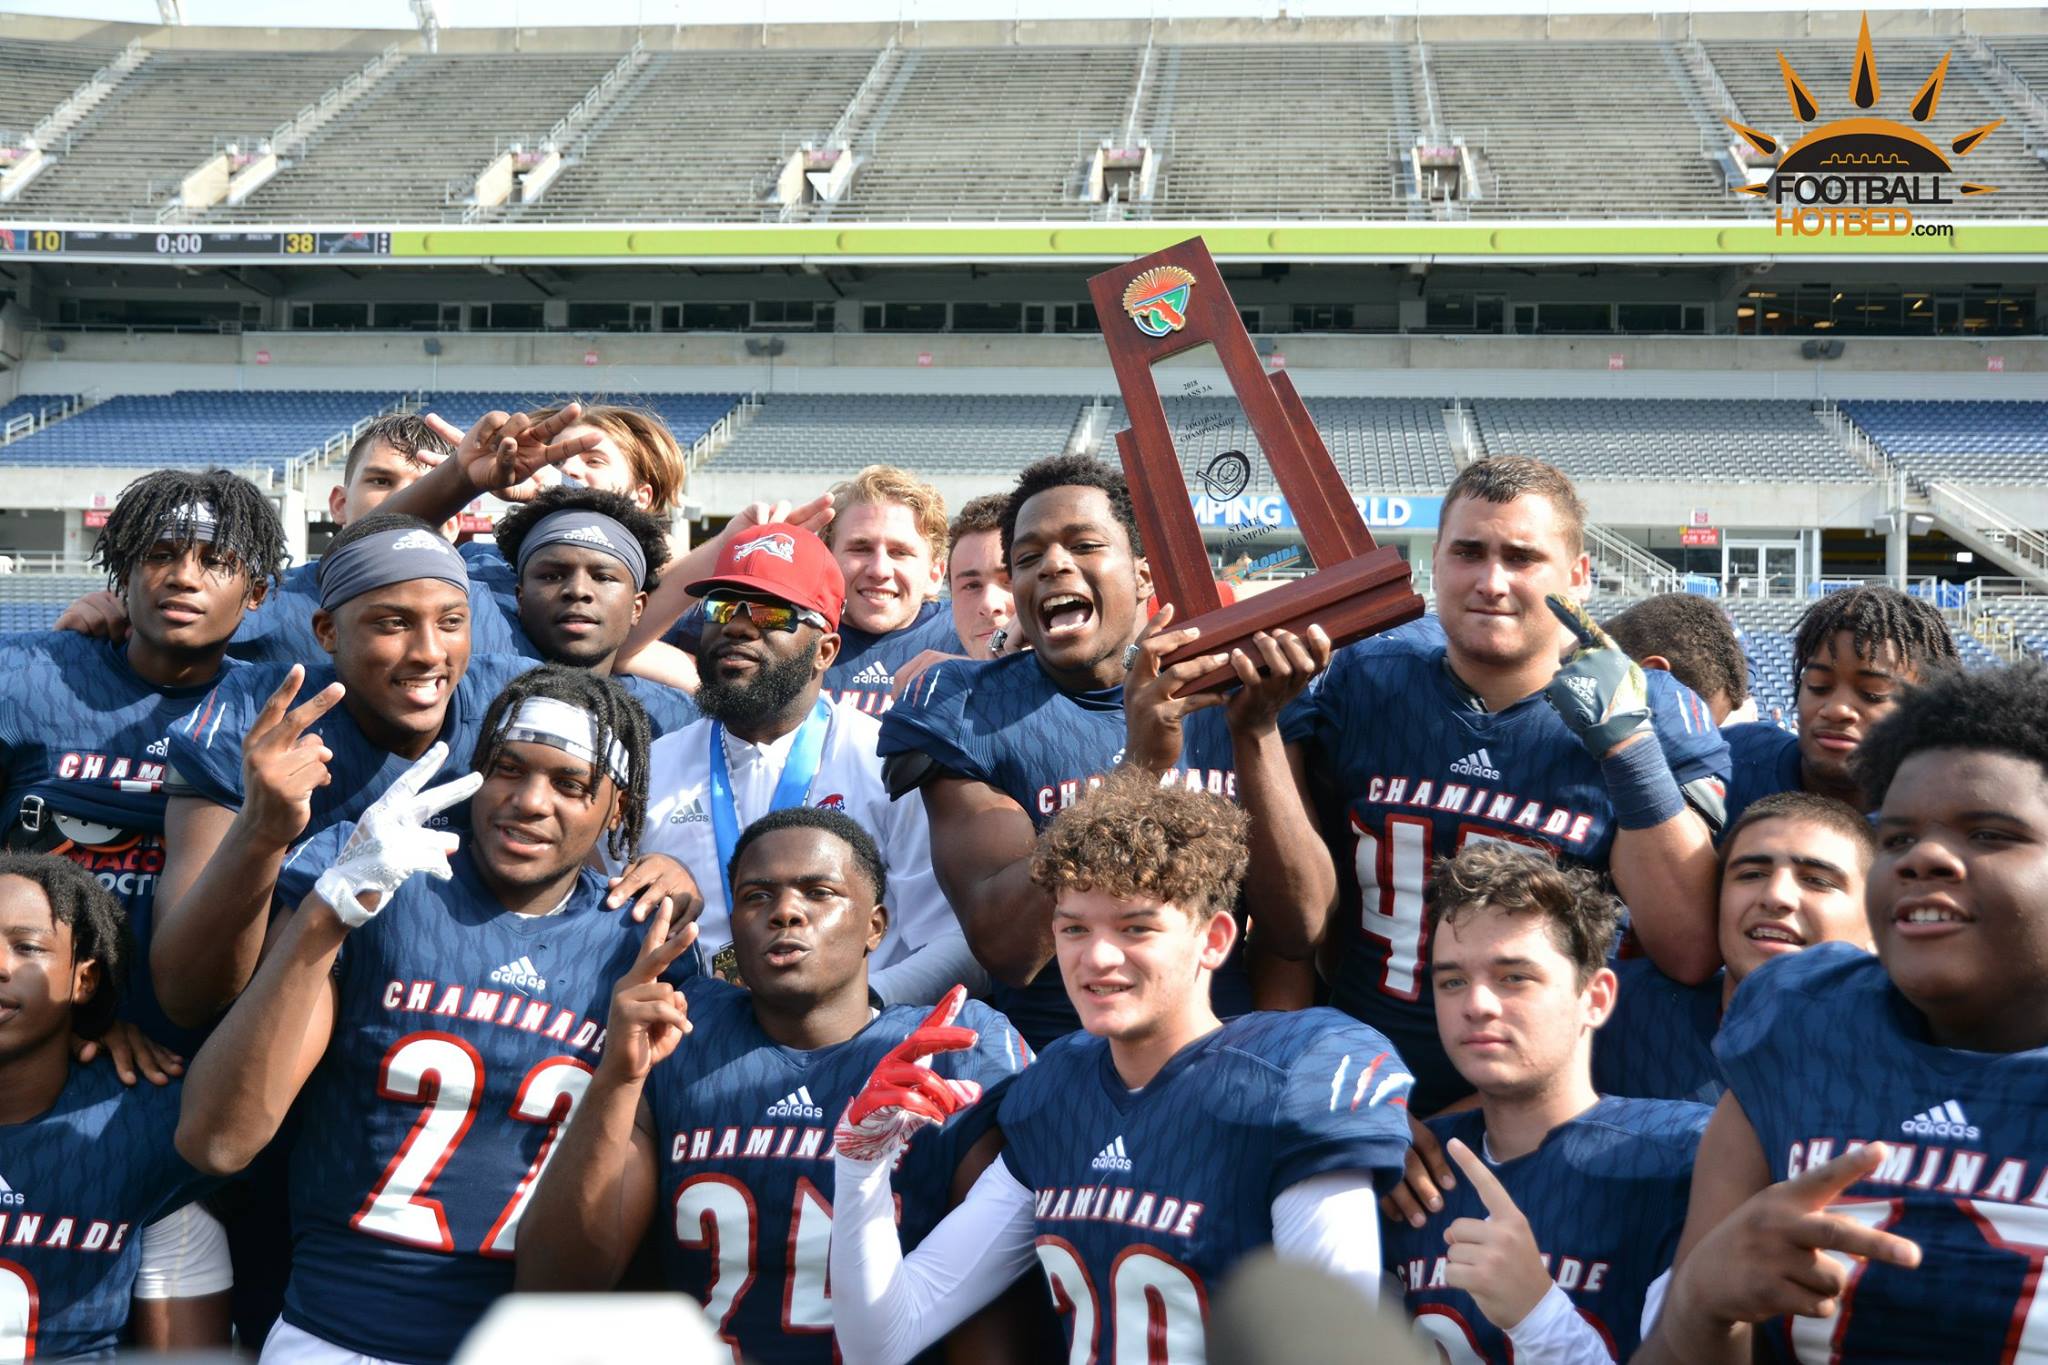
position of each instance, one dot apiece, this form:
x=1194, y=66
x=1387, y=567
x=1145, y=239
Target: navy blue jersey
x=78, y=1184
x=1149, y=1197
x=743, y=1128
x=206, y=745
x=1823, y=1054
x=1764, y=760
x=1605, y=1196
x=82, y=741
x=1659, y=1042
x=1419, y=770
x=668, y=708
x=280, y=631
x=464, y=1036
x=1007, y=724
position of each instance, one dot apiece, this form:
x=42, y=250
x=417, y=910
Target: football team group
x=849, y=923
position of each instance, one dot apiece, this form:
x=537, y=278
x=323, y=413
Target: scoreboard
x=186, y=243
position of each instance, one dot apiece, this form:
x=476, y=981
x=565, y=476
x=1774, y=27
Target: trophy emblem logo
x=1227, y=475
x=1158, y=300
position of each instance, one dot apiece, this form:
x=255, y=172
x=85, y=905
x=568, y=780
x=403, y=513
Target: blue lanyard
x=798, y=772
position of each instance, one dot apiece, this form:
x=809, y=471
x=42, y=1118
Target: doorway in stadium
x=1763, y=568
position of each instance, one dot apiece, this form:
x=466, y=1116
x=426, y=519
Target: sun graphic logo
x=1158, y=300
x=1864, y=175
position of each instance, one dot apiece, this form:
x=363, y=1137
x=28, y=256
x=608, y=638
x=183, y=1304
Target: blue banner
x=1382, y=511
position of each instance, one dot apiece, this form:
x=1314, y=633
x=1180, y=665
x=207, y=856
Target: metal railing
x=29, y=423
x=291, y=136
x=1952, y=504
x=721, y=432
x=1638, y=571
x=596, y=97
x=101, y=80
x=298, y=467
x=1856, y=441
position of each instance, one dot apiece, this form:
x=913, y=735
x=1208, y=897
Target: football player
x=1872, y=1185
x=977, y=581
x=102, y=1241
x=998, y=749
x=1555, y=1245
x=1144, y=1157
x=434, y=1032
x=1691, y=638
x=729, y=1128
x=1467, y=727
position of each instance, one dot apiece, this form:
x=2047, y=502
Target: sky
x=542, y=13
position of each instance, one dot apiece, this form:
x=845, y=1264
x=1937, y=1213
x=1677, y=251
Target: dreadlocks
x=164, y=506
x=644, y=526
x=99, y=929
x=614, y=716
x=1876, y=617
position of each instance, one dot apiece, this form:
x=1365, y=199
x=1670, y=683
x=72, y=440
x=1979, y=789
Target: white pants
x=288, y=1345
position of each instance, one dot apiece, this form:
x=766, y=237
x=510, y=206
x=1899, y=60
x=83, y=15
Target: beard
x=744, y=703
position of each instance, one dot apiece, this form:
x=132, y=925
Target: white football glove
x=392, y=842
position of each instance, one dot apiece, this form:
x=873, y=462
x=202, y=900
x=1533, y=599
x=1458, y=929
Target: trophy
x=1173, y=302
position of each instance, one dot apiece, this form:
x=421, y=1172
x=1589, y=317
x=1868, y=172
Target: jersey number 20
x=18, y=1306
x=1156, y=1306
x=446, y=1074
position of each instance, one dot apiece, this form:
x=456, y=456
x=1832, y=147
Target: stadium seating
x=1377, y=443
x=196, y=429
x=30, y=404
x=34, y=601
x=830, y=435
x=2028, y=56
x=1280, y=130
x=1989, y=442
x=1001, y=133
x=170, y=114
x=40, y=76
x=374, y=163
x=1968, y=100
x=1721, y=440
x=1564, y=128
x=688, y=415
x=699, y=136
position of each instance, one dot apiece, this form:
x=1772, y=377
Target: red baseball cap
x=779, y=560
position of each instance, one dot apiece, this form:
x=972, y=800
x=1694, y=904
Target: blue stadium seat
x=196, y=429
x=688, y=415
x=1972, y=442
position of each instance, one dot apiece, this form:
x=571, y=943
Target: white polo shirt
x=921, y=921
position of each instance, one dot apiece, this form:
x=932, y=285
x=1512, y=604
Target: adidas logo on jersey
x=1112, y=1157
x=9, y=1196
x=1585, y=689
x=1942, y=1121
x=522, y=974
x=693, y=814
x=589, y=535
x=797, y=1104
x=1478, y=763
x=160, y=749
x=874, y=675
x=419, y=540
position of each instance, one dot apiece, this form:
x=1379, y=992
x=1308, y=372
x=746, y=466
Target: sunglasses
x=765, y=615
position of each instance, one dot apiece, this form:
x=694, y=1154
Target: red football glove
x=905, y=1094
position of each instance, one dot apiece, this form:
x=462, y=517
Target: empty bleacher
x=1987, y=442
x=831, y=434
x=991, y=133
x=699, y=135
x=40, y=76
x=1585, y=129
x=1968, y=100
x=34, y=601
x=1377, y=443
x=170, y=114
x=2028, y=56
x=390, y=156
x=688, y=415
x=32, y=405
x=1279, y=130
x=1712, y=439
x=195, y=429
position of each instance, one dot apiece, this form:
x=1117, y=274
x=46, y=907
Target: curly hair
x=984, y=513
x=1133, y=837
x=615, y=714
x=1695, y=635
x=644, y=527
x=154, y=507
x=1491, y=875
x=1503, y=478
x=881, y=483
x=1071, y=471
x=1876, y=617
x=836, y=823
x=1839, y=816
x=645, y=440
x=99, y=929
x=2000, y=710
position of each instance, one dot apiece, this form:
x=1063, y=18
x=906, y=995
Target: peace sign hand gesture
x=503, y=452
x=1494, y=1259
x=282, y=765
x=649, y=1016
x=392, y=841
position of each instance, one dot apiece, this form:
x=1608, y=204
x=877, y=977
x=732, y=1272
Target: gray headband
x=399, y=555
x=592, y=531
x=193, y=521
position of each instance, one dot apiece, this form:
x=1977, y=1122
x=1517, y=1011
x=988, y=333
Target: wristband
x=1640, y=784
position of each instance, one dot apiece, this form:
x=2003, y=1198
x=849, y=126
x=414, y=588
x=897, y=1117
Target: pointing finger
x=1499, y=1203
x=1569, y=611
x=947, y=1010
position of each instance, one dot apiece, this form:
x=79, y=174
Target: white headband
x=559, y=725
